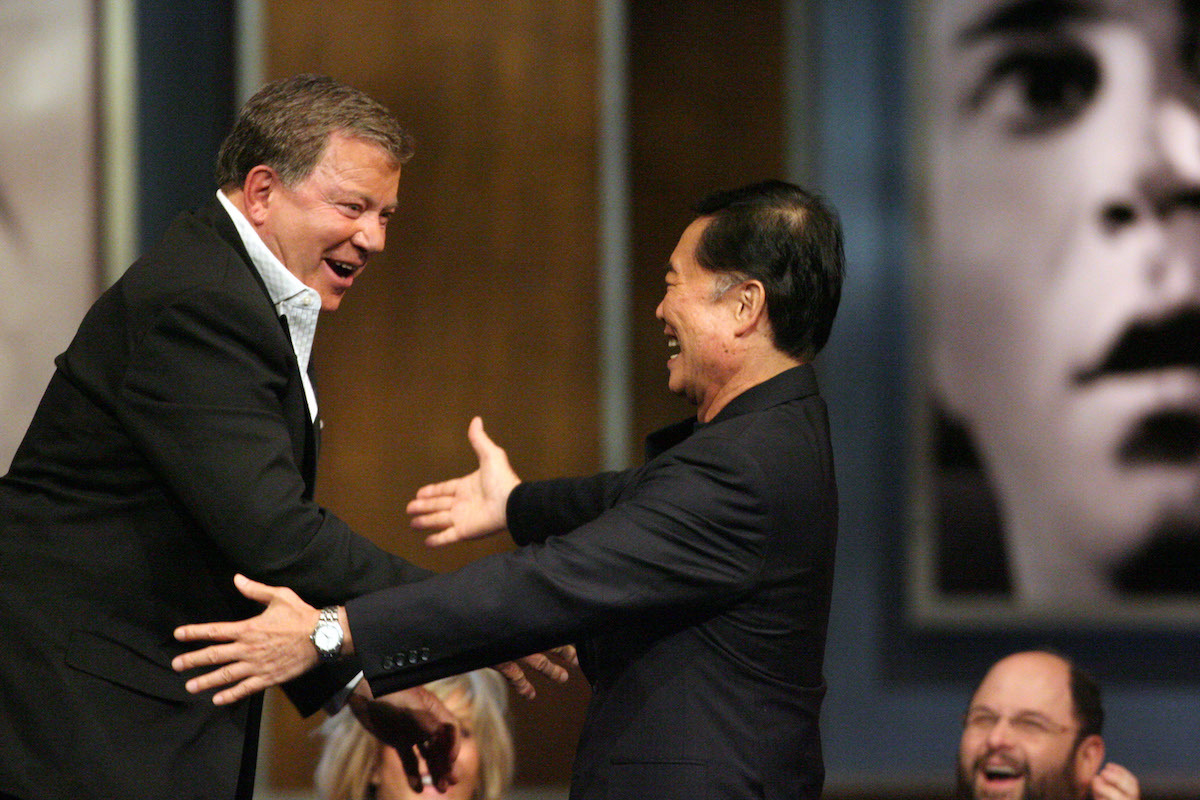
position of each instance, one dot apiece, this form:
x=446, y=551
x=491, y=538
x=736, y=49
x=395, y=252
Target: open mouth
x=673, y=348
x=1000, y=772
x=341, y=268
x=1173, y=341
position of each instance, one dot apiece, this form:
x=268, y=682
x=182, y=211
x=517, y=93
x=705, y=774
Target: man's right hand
x=472, y=506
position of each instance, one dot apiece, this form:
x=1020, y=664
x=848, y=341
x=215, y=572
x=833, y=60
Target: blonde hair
x=351, y=755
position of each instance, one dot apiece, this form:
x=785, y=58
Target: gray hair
x=286, y=125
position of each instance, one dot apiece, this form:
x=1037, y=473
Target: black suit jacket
x=697, y=587
x=173, y=447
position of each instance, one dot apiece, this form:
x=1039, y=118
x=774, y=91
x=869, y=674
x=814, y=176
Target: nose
x=1000, y=735
x=370, y=235
x=658, y=312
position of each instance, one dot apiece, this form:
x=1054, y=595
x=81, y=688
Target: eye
x=980, y=720
x=353, y=209
x=1037, y=88
x=1028, y=725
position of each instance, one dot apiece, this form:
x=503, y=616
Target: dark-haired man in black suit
x=697, y=585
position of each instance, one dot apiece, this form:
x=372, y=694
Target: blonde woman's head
x=355, y=765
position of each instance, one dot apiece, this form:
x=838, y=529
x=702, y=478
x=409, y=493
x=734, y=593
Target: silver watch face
x=326, y=638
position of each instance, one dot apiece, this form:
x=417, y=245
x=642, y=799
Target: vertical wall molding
x=250, y=67
x=616, y=368
x=118, y=136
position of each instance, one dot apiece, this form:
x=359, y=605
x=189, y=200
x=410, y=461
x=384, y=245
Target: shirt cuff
x=335, y=703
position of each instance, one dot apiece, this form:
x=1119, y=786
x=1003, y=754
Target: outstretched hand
x=413, y=721
x=472, y=506
x=261, y=652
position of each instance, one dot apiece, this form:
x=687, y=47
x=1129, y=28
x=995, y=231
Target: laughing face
x=1020, y=735
x=697, y=317
x=1065, y=294
x=325, y=228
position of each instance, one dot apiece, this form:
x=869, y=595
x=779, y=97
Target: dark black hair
x=1085, y=696
x=791, y=241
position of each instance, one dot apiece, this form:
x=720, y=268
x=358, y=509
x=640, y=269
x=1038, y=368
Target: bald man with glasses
x=1033, y=732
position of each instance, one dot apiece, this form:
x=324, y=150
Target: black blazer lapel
x=214, y=215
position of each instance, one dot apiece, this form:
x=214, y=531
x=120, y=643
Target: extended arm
x=693, y=539
x=274, y=647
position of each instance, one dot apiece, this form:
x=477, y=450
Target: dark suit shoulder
x=770, y=436
x=193, y=292
x=193, y=255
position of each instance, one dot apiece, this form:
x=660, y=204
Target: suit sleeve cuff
x=521, y=525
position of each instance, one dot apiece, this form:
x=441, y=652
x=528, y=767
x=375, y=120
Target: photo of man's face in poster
x=1062, y=301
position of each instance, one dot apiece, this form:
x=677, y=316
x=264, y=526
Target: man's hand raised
x=472, y=506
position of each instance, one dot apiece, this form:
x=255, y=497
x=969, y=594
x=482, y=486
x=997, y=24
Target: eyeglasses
x=1028, y=725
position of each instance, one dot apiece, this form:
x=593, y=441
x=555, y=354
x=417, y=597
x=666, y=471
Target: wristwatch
x=327, y=636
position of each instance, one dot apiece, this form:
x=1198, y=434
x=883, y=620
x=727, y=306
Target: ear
x=750, y=305
x=261, y=182
x=1089, y=757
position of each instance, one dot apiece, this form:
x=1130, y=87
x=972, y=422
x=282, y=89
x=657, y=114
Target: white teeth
x=672, y=343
